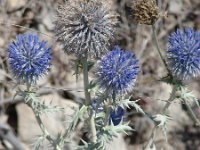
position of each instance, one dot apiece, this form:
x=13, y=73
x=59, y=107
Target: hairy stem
x=88, y=98
x=86, y=81
x=155, y=39
x=191, y=113
x=108, y=109
x=171, y=98
x=45, y=132
x=42, y=126
x=93, y=128
x=152, y=137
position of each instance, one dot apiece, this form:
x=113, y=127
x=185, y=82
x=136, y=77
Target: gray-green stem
x=155, y=39
x=42, y=127
x=107, y=114
x=88, y=98
x=86, y=81
x=171, y=98
x=39, y=121
x=191, y=113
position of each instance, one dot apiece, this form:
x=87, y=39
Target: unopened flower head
x=29, y=58
x=117, y=71
x=183, y=54
x=145, y=11
x=85, y=27
x=116, y=115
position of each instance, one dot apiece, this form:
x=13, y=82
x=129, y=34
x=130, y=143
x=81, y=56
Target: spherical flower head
x=183, y=54
x=145, y=11
x=85, y=27
x=29, y=58
x=116, y=116
x=117, y=71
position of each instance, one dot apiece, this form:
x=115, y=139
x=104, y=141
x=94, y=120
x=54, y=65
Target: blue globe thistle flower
x=117, y=71
x=29, y=58
x=116, y=116
x=183, y=54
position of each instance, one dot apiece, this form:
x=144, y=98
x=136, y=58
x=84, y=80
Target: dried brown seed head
x=145, y=11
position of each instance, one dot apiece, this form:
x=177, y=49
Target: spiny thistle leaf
x=38, y=143
x=88, y=146
x=121, y=128
x=188, y=96
x=71, y=125
x=81, y=113
x=40, y=107
x=161, y=121
x=108, y=132
x=127, y=103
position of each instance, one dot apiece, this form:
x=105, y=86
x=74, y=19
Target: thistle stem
x=191, y=113
x=155, y=39
x=42, y=126
x=45, y=132
x=93, y=128
x=171, y=98
x=108, y=109
x=88, y=98
x=86, y=81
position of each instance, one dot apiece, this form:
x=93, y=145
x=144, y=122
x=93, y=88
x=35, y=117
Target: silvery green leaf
x=161, y=121
x=127, y=103
x=78, y=114
x=186, y=95
x=39, y=107
x=88, y=146
x=121, y=128
x=108, y=132
x=38, y=143
x=83, y=112
x=100, y=115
